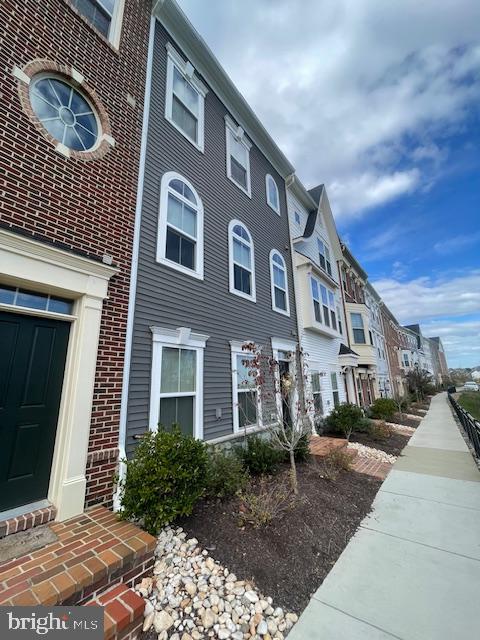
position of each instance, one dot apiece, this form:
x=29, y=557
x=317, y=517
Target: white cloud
x=359, y=95
x=445, y=307
x=452, y=245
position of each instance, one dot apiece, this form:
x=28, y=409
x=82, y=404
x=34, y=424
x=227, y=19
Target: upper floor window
x=324, y=306
x=185, y=96
x=242, y=261
x=180, y=235
x=358, y=328
x=273, y=199
x=324, y=257
x=297, y=217
x=238, y=156
x=339, y=319
x=406, y=360
x=104, y=15
x=278, y=281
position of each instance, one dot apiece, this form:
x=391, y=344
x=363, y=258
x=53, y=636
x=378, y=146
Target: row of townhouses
x=149, y=228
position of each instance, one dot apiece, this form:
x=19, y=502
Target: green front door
x=32, y=363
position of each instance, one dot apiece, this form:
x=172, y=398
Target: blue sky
x=379, y=101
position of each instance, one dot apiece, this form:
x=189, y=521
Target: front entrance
x=32, y=362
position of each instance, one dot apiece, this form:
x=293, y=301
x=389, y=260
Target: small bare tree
x=401, y=402
x=280, y=399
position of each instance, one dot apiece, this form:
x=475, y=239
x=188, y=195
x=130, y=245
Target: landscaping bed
x=402, y=419
x=290, y=558
x=392, y=445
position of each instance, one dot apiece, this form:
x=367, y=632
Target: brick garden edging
x=122, y=614
x=93, y=552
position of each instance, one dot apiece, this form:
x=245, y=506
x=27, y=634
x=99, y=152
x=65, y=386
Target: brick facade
x=86, y=207
x=395, y=341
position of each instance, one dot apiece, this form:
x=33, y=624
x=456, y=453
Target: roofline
x=351, y=258
x=373, y=291
x=199, y=53
x=295, y=185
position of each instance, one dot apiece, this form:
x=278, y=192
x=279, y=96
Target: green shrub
x=364, y=426
x=344, y=419
x=225, y=474
x=165, y=478
x=259, y=456
x=383, y=408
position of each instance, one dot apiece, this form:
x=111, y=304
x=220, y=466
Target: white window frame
x=181, y=338
x=335, y=307
x=285, y=312
x=312, y=372
x=253, y=296
x=324, y=250
x=237, y=349
x=162, y=226
x=268, y=178
x=187, y=70
x=232, y=130
x=356, y=313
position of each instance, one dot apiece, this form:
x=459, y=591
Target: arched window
x=180, y=233
x=242, y=260
x=278, y=281
x=273, y=199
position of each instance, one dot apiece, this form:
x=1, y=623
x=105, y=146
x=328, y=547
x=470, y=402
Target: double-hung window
x=238, y=156
x=358, y=328
x=324, y=305
x=177, y=380
x=246, y=411
x=324, y=257
x=406, y=360
x=104, y=15
x=316, y=395
x=336, y=395
x=242, y=261
x=185, y=97
x=180, y=235
x=273, y=199
x=278, y=283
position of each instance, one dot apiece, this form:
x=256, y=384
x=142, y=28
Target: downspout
x=134, y=269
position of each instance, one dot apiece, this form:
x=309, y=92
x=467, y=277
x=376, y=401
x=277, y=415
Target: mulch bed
x=393, y=445
x=289, y=559
x=408, y=422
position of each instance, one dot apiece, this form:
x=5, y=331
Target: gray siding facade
x=168, y=298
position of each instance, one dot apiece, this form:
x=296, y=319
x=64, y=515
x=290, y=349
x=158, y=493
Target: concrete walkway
x=412, y=570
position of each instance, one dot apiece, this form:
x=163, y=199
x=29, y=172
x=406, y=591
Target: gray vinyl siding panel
x=171, y=299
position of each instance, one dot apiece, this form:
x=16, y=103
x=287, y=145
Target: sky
x=380, y=101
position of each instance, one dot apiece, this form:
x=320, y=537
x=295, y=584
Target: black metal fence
x=471, y=426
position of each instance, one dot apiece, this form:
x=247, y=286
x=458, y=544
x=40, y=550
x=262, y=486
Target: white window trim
x=267, y=193
x=320, y=301
x=285, y=312
x=253, y=296
x=282, y=344
x=188, y=72
x=162, y=228
x=181, y=338
x=236, y=348
x=231, y=129
x=115, y=30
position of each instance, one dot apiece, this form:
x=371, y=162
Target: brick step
x=28, y=520
x=122, y=614
x=321, y=446
x=93, y=551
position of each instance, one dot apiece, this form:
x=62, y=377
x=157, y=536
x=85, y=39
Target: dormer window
x=324, y=257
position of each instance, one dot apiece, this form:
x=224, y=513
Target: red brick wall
x=394, y=342
x=87, y=207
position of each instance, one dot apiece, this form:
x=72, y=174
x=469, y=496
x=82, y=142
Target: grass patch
x=470, y=401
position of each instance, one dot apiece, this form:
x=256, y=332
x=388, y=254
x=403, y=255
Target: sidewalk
x=412, y=570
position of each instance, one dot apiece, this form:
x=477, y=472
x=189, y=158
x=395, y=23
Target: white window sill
x=247, y=192
x=178, y=267
x=277, y=211
x=282, y=311
x=199, y=147
x=243, y=295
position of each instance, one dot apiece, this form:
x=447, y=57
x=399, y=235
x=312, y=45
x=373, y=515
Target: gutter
x=134, y=269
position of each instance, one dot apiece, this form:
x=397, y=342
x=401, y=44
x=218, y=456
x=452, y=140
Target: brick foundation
x=27, y=521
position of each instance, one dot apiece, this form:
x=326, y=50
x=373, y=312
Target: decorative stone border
x=27, y=521
x=74, y=77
